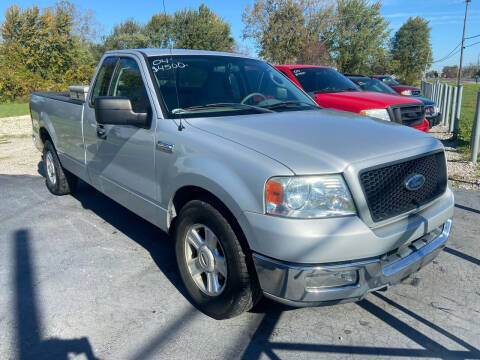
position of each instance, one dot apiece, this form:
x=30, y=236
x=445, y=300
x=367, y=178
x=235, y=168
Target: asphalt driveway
x=83, y=278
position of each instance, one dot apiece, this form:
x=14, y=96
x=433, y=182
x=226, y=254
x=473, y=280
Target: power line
x=471, y=37
x=450, y=54
x=478, y=42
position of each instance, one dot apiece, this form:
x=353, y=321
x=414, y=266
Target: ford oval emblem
x=415, y=182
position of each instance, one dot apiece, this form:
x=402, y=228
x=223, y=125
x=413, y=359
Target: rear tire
x=209, y=252
x=58, y=180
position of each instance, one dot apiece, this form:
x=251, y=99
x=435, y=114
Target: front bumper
x=291, y=284
x=423, y=126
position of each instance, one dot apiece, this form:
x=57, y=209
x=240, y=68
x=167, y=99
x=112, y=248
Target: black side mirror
x=112, y=110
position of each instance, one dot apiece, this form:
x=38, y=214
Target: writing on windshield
x=207, y=85
x=323, y=80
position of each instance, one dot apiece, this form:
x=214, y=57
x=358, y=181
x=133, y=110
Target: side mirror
x=112, y=110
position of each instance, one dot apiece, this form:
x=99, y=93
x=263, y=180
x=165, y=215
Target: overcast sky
x=445, y=16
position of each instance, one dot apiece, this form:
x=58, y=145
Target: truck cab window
x=127, y=82
x=103, y=78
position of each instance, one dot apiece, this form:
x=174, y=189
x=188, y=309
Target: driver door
x=124, y=162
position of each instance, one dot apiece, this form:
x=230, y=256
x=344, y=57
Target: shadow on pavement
x=261, y=344
x=28, y=319
x=462, y=255
x=147, y=235
x=466, y=208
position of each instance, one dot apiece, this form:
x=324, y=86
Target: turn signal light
x=274, y=193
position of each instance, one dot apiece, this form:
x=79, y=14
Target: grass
x=467, y=115
x=14, y=109
x=469, y=103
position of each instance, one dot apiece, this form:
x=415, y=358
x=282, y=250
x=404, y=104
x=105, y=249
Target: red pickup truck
x=330, y=89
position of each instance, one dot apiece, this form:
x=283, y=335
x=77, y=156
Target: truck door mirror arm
x=114, y=110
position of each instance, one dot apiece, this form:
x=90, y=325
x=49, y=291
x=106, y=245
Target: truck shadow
x=147, y=235
x=30, y=344
x=261, y=344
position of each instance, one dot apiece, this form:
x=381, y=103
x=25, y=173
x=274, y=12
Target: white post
x=475, y=132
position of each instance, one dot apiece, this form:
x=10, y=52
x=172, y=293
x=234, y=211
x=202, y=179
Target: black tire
x=241, y=290
x=64, y=182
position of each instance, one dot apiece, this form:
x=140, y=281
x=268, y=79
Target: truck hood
x=315, y=142
x=424, y=100
x=355, y=101
x=403, y=87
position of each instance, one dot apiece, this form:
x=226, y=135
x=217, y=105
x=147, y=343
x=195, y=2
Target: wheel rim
x=205, y=259
x=50, y=168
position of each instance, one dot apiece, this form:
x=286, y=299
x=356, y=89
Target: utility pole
x=459, y=77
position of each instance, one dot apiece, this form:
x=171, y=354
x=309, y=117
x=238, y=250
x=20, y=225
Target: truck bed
x=60, y=96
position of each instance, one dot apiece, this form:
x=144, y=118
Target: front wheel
x=212, y=263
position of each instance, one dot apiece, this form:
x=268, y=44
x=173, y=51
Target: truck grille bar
x=407, y=114
x=386, y=191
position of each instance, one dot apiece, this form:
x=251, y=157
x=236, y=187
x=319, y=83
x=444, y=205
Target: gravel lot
x=84, y=278
x=18, y=154
x=461, y=172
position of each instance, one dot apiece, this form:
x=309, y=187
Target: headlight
x=376, y=113
x=406, y=92
x=308, y=196
x=437, y=110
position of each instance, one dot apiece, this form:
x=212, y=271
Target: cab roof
x=162, y=52
x=290, y=66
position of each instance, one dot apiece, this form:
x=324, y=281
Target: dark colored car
x=432, y=113
x=405, y=90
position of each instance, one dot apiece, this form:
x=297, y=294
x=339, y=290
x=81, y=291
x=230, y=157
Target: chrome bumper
x=288, y=283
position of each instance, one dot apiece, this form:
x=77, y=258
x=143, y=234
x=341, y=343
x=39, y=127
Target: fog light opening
x=327, y=279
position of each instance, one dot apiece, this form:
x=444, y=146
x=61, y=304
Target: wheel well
x=44, y=135
x=188, y=193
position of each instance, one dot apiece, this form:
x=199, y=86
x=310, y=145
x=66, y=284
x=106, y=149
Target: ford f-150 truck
x=261, y=190
x=330, y=89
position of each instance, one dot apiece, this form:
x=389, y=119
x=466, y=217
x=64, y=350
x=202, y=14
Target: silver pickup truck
x=262, y=191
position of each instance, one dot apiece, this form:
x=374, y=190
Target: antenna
x=170, y=45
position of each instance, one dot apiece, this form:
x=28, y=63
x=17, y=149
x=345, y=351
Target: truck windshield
x=375, y=85
x=323, y=80
x=208, y=85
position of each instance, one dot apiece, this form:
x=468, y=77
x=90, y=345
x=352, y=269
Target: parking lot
x=83, y=278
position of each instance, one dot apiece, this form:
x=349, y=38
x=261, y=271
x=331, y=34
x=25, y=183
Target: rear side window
x=127, y=82
x=103, y=78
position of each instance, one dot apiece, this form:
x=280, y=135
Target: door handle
x=166, y=147
x=101, y=132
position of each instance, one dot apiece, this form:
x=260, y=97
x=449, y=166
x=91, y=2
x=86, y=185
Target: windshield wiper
x=286, y=104
x=221, y=105
x=326, y=90
x=348, y=89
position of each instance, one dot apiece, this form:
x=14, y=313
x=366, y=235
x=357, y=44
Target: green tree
x=201, y=29
x=126, y=35
x=358, y=35
x=289, y=30
x=38, y=47
x=411, y=49
x=159, y=31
